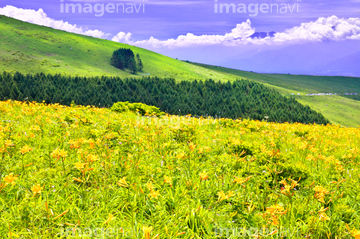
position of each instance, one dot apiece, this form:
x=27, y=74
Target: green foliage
x=238, y=99
x=142, y=109
x=338, y=109
x=124, y=58
x=30, y=48
x=293, y=171
x=243, y=99
x=93, y=169
x=184, y=133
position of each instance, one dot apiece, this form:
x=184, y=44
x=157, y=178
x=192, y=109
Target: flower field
x=77, y=172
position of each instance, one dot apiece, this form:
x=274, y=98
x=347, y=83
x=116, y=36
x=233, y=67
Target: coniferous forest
x=238, y=99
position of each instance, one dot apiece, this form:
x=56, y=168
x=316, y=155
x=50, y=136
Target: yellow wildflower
x=323, y=216
x=147, y=231
x=91, y=158
x=168, y=180
x=10, y=179
x=80, y=165
x=320, y=193
x=150, y=186
x=223, y=196
x=275, y=209
x=111, y=217
x=154, y=194
x=9, y=143
x=36, y=189
x=241, y=181
x=57, y=153
x=25, y=149
x=123, y=183
x=355, y=234
x=203, y=176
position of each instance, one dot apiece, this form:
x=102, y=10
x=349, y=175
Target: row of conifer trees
x=238, y=99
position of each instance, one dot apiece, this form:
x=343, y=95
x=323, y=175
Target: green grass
x=68, y=171
x=338, y=109
x=30, y=48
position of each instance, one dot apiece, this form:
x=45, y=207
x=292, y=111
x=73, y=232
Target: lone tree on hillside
x=125, y=59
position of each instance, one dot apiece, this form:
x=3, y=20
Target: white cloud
x=123, y=38
x=39, y=17
x=323, y=29
x=331, y=28
x=240, y=33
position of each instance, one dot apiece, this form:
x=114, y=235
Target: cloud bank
x=323, y=29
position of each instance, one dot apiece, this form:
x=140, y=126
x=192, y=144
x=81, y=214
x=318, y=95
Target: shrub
x=141, y=108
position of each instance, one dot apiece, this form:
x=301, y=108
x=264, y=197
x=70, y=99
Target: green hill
x=30, y=48
x=338, y=109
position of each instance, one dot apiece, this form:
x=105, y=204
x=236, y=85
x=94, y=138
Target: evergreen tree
x=140, y=65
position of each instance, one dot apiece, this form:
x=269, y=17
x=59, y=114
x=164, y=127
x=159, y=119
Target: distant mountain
x=345, y=66
x=325, y=58
x=263, y=34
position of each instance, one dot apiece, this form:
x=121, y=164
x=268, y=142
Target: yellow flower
x=154, y=194
x=10, y=179
x=9, y=143
x=320, y=193
x=123, y=183
x=35, y=128
x=192, y=146
x=223, y=196
x=241, y=180
x=323, y=216
x=25, y=149
x=355, y=234
x=36, y=189
x=150, y=186
x=203, y=176
x=168, y=180
x=275, y=209
x=63, y=154
x=111, y=217
x=80, y=165
x=147, y=231
x=57, y=153
x=274, y=221
x=91, y=158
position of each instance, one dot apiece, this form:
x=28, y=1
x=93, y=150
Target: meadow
x=342, y=109
x=75, y=172
x=31, y=49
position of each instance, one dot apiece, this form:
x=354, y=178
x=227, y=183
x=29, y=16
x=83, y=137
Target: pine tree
x=140, y=65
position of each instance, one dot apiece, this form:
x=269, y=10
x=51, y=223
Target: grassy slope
x=29, y=48
x=338, y=109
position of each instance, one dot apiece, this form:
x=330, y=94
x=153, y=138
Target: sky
x=209, y=31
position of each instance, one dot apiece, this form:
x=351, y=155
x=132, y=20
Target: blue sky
x=189, y=28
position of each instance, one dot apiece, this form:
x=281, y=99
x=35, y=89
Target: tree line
x=238, y=99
